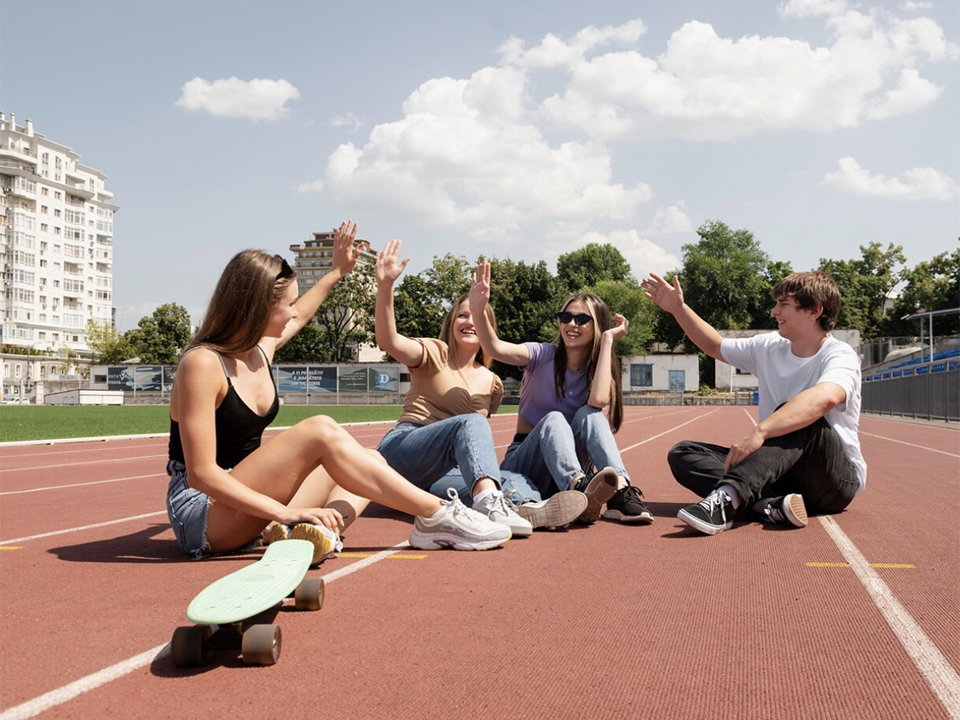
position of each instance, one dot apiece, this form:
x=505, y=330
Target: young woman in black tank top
x=313, y=474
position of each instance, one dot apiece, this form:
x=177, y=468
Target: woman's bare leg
x=280, y=467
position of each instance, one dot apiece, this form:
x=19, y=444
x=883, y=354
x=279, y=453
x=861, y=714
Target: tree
x=109, y=345
x=933, y=285
x=159, y=338
x=421, y=301
x=726, y=279
x=307, y=346
x=864, y=285
x=345, y=318
x=525, y=299
x=589, y=265
x=628, y=300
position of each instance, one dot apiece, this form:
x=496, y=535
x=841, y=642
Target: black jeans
x=810, y=461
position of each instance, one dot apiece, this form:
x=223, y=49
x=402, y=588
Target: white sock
x=483, y=494
x=732, y=493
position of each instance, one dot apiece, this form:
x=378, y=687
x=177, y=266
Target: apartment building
x=56, y=249
x=314, y=258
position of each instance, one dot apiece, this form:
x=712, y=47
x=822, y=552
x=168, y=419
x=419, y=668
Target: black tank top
x=239, y=429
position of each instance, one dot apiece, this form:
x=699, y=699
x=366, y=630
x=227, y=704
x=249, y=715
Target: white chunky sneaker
x=457, y=526
x=497, y=508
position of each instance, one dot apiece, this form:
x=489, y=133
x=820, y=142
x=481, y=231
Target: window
x=641, y=375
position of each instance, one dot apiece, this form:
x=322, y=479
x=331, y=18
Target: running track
x=855, y=616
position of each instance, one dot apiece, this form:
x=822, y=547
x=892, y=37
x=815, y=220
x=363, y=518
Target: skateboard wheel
x=309, y=594
x=261, y=645
x=188, y=648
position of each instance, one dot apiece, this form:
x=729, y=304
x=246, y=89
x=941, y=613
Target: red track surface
x=603, y=621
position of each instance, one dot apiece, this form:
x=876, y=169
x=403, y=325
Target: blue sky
x=512, y=129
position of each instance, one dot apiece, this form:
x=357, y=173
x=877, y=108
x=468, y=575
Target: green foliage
x=307, y=346
x=627, y=299
x=159, y=338
x=933, y=285
x=864, y=285
x=726, y=278
x=346, y=317
x=109, y=345
x=589, y=265
x=421, y=301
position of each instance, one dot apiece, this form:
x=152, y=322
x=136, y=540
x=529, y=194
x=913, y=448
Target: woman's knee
x=322, y=427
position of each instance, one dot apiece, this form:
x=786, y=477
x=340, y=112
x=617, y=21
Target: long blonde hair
x=600, y=313
x=446, y=332
x=237, y=316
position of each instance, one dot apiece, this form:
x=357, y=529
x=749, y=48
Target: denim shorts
x=187, y=511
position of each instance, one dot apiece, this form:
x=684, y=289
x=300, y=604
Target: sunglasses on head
x=580, y=319
x=285, y=270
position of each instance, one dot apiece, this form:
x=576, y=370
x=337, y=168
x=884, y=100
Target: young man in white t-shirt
x=805, y=453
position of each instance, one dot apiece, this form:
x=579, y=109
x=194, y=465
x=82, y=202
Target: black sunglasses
x=581, y=319
x=285, y=270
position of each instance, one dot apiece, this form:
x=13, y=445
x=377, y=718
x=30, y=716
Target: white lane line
x=666, y=432
x=914, y=445
x=936, y=670
x=933, y=666
x=92, y=482
x=136, y=458
x=49, y=700
x=49, y=453
x=52, y=699
x=14, y=541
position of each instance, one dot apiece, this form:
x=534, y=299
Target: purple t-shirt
x=538, y=394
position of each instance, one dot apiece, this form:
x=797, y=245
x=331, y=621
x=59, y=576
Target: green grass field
x=49, y=422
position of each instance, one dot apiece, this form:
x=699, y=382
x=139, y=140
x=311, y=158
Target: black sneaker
x=712, y=515
x=784, y=510
x=598, y=490
x=627, y=506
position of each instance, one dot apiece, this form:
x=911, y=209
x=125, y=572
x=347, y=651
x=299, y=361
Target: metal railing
x=928, y=390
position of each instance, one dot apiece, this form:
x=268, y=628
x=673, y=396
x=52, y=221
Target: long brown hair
x=446, y=332
x=598, y=310
x=238, y=313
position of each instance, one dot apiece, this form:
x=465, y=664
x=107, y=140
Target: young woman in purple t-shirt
x=571, y=404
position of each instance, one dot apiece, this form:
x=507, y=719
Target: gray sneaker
x=326, y=543
x=556, y=511
x=457, y=527
x=497, y=508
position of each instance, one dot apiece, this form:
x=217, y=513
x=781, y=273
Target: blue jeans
x=554, y=454
x=425, y=453
x=810, y=461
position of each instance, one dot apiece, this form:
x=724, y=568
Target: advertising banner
x=383, y=379
x=353, y=380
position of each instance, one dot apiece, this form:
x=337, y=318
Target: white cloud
x=349, y=121
x=232, y=97
x=466, y=155
x=644, y=255
x=708, y=87
x=911, y=5
x=922, y=183
x=314, y=186
x=670, y=220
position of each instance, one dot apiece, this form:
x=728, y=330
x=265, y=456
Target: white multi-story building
x=314, y=258
x=56, y=249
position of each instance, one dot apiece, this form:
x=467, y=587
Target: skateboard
x=223, y=610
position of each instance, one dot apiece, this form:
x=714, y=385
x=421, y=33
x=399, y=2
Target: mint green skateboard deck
x=222, y=609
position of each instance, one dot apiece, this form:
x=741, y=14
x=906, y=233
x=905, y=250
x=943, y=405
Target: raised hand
x=619, y=329
x=346, y=252
x=668, y=297
x=480, y=289
x=388, y=269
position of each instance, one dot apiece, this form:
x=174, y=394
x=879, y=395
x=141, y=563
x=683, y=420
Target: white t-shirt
x=783, y=375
